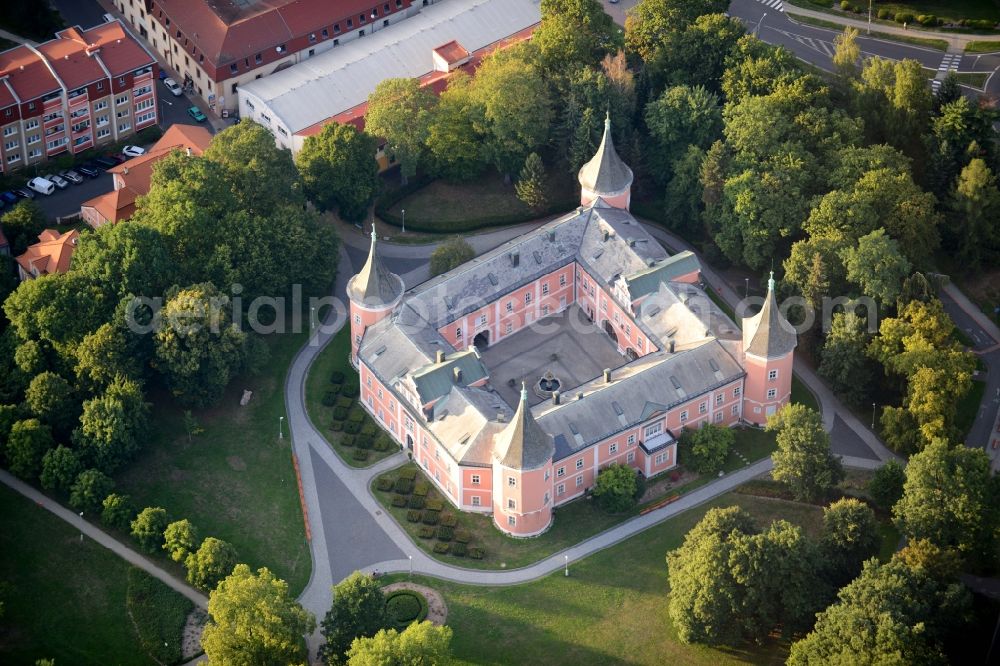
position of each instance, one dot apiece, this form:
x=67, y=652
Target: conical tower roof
x=605, y=173
x=523, y=444
x=768, y=334
x=375, y=284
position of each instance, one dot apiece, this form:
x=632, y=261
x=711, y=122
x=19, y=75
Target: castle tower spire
x=768, y=350
x=523, y=445
x=605, y=175
x=373, y=293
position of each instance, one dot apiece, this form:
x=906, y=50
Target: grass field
x=949, y=11
x=973, y=79
x=982, y=47
x=967, y=408
x=234, y=481
x=334, y=357
x=936, y=44
x=75, y=601
x=612, y=609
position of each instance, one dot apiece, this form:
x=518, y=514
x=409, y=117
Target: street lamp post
x=81, y=533
x=873, y=416
x=746, y=292
x=756, y=30
x=281, y=434
x=404, y=222
x=869, y=17
x=312, y=317
x=411, y=565
x=566, y=558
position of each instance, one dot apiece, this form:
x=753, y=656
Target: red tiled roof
x=68, y=56
x=114, y=206
x=229, y=30
x=118, y=50
x=52, y=254
x=27, y=74
x=452, y=52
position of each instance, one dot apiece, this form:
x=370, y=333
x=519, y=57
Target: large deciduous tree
x=60, y=467
x=803, y=459
x=399, y=113
x=707, y=447
x=453, y=147
x=27, y=444
x=973, y=232
x=180, y=538
x=681, y=116
x=420, y=644
x=339, y=170
x=574, y=33
x=878, y=265
x=254, y=620
x=105, y=355
x=52, y=400
x=90, y=489
x=148, y=526
x=213, y=561
x=845, y=363
x=886, y=484
x=617, y=488
x=450, y=254
x=850, y=536
x=22, y=224
x=113, y=424
x=651, y=24
x=126, y=259
x=358, y=610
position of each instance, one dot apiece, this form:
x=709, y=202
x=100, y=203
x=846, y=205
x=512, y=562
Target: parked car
x=42, y=185
x=104, y=162
x=117, y=158
x=24, y=193
x=89, y=169
x=133, y=151
x=71, y=176
x=196, y=113
x=173, y=87
x=9, y=197
x=58, y=181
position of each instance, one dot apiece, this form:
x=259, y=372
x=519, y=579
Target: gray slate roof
x=605, y=173
x=768, y=334
x=436, y=379
x=375, y=284
x=523, y=444
x=648, y=281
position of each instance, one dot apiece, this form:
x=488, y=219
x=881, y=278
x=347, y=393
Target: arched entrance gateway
x=610, y=330
x=482, y=340
x=630, y=354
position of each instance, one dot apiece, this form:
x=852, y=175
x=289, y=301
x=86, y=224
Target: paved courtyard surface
x=845, y=442
x=568, y=345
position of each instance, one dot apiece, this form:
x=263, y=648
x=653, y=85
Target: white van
x=41, y=185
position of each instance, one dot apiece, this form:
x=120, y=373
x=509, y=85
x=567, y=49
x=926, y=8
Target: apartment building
x=220, y=45
x=80, y=90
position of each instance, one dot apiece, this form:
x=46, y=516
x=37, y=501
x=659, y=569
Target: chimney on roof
x=607, y=375
x=579, y=395
x=457, y=373
x=440, y=356
x=124, y=171
x=555, y=397
x=501, y=416
x=188, y=151
x=672, y=346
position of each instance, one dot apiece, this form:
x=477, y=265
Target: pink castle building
x=514, y=379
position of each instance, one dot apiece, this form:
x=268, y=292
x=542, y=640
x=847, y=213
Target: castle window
x=475, y=500
x=684, y=416
x=718, y=417
x=562, y=280
x=735, y=410
x=737, y=391
x=772, y=393
x=357, y=319
x=545, y=287
x=527, y=298
x=656, y=428
x=630, y=457
x=546, y=503
x=511, y=481
x=772, y=375
x=613, y=449
x=579, y=481
x=703, y=408
x=561, y=489
x=511, y=521
x=719, y=398
x=475, y=479
x=482, y=320
x=561, y=472
x=509, y=328
x=631, y=440
x=458, y=332
x=661, y=458
x=510, y=306
x=511, y=504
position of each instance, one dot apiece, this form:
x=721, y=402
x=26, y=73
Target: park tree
x=113, y=424
x=450, y=254
x=886, y=484
x=894, y=101
x=530, y=186
x=213, y=561
x=60, y=467
x=358, y=610
x=453, y=147
x=681, y=116
x=574, y=33
x=148, y=527
x=682, y=204
x=33, y=357
x=22, y=224
x=90, y=489
x=60, y=309
x=27, y=444
x=950, y=498
x=180, y=538
x=9, y=415
x=846, y=53
x=509, y=88
x=13, y=380
x=854, y=161
x=198, y=347
x=960, y=132
x=254, y=620
x=104, y=356
x=890, y=614
x=118, y=511
x=399, y=111
x=339, y=170
x=949, y=91
x=845, y=363
x=126, y=259
x=975, y=207
x=52, y=400
x=420, y=644
x=878, y=265
x=803, y=460
x=755, y=68
x=617, y=488
x=707, y=447
x=697, y=54
x=651, y=24
x=8, y=283
x=850, y=536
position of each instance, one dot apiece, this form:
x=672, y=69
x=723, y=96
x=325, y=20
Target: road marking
x=773, y=4
x=825, y=47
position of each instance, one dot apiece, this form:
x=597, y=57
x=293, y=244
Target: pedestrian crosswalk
x=949, y=63
x=773, y=4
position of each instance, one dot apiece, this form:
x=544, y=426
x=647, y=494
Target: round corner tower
x=605, y=175
x=768, y=350
x=374, y=293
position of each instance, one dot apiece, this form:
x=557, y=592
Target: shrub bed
x=435, y=504
x=369, y=429
x=340, y=413
x=476, y=553
x=329, y=398
x=449, y=520
x=360, y=455
x=336, y=377
x=348, y=440
x=364, y=441
x=426, y=532
x=399, y=501
x=344, y=402
x=441, y=548
x=445, y=533
x=421, y=488
x=404, y=607
x=409, y=473
x=430, y=517
x=337, y=426
x=350, y=390
x=352, y=427
x=383, y=443
x=356, y=415
x=413, y=516
x=416, y=502
x=383, y=483
x=461, y=536
x=458, y=549
x=403, y=486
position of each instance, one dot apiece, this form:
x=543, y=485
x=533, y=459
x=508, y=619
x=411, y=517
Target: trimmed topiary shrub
x=364, y=442
x=441, y=548
x=884, y=13
x=356, y=415
x=346, y=403
x=445, y=533
x=352, y=427
x=903, y=17
x=408, y=473
x=337, y=426
x=476, y=553
x=399, y=501
x=981, y=24
x=458, y=549
x=350, y=390
x=403, y=486
x=329, y=399
x=383, y=483
x=336, y=377
x=382, y=443
x=340, y=413
x=430, y=517
x=461, y=536
x=449, y=519
x=435, y=504
x=404, y=607
x=416, y=502
x=413, y=516
x=347, y=440
x=845, y=5
x=335, y=388
x=421, y=488
x=360, y=455
x=927, y=19
x=369, y=429
x=426, y=532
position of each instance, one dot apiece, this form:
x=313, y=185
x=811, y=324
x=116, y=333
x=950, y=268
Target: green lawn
x=949, y=11
x=335, y=358
x=936, y=44
x=69, y=599
x=612, y=609
x=982, y=47
x=802, y=395
x=235, y=481
x=974, y=79
x=967, y=409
